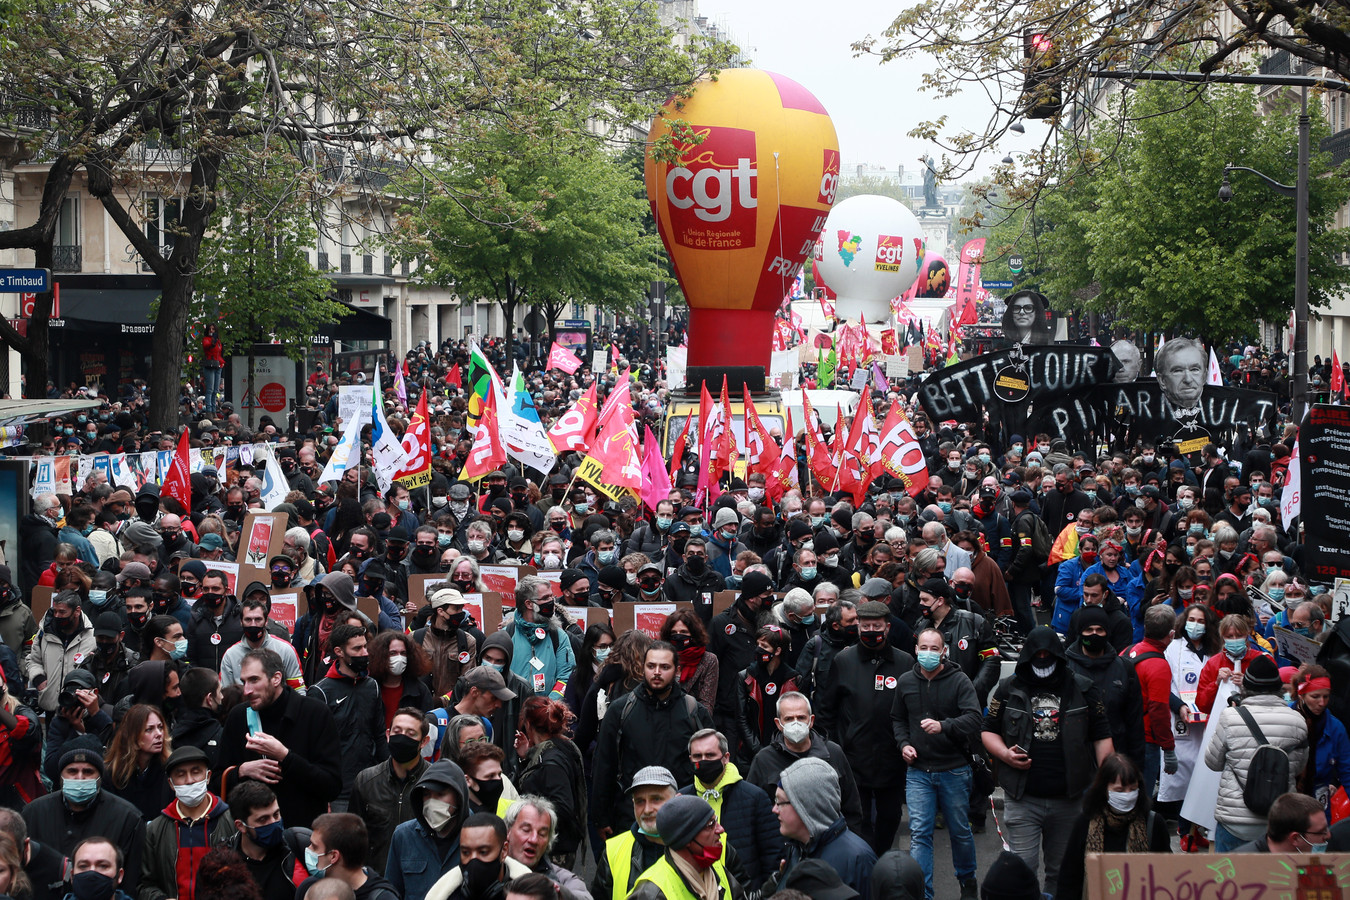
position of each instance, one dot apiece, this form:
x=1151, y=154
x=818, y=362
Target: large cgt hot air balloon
x=873, y=246
x=740, y=210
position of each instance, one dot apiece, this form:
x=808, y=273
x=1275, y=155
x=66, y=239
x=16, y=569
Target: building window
x=161, y=219
x=66, y=250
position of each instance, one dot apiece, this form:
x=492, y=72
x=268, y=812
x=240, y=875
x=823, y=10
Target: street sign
x=25, y=281
x=1015, y=263
x=996, y=285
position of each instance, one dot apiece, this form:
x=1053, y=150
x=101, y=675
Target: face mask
x=872, y=640
x=312, y=862
x=1135, y=531
x=1093, y=643
x=1089, y=557
x=808, y=573
x=489, y=792
x=138, y=620
x=423, y=555
x=1186, y=503
x=1235, y=647
x=817, y=521
x=545, y=609
x=1190, y=549
x=97, y=597
x=953, y=465
x=663, y=522
x=1195, y=630
x=91, y=885
x=79, y=790
x=189, y=795
x=179, y=649
x=631, y=577
x=403, y=749
x=1133, y=490
x=581, y=506
x=437, y=813
x=601, y=654
x=1044, y=671
x=796, y=732
x=765, y=656
x=358, y=664
x=709, y=770
x=706, y=856
x=945, y=506
x=550, y=561
x=1122, y=801
x=830, y=562
x=1186, y=593
x=1226, y=554
x=480, y=875
x=476, y=546
x=984, y=458
x=755, y=494
x=929, y=659
x=809, y=620
x=605, y=557
x=1276, y=594
x=696, y=565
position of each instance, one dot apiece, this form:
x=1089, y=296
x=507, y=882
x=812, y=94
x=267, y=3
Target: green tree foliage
x=1148, y=239
x=547, y=226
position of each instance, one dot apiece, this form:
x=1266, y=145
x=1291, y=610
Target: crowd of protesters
x=1054, y=622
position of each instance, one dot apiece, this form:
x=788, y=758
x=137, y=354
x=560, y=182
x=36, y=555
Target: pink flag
x=562, y=358
x=400, y=389
x=655, y=479
x=1215, y=376
x=968, y=270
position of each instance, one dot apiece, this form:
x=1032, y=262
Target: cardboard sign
x=554, y=579
x=646, y=617
x=1295, y=646
x=1243, y=876
x=259, y=541
x=504, y=578
x=286, y=607
x=722, y=601
x=1340, y=600
x=42, y=601
x=231, y=570
x=897, y=366
x=486, y=607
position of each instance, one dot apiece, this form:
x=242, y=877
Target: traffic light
x=1041, y=97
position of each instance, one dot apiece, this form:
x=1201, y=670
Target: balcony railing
x=1338, y=145
x=67, y=258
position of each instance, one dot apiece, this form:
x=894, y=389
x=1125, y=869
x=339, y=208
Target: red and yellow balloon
x=740, y=209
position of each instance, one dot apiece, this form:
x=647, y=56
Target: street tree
x=1148, y=239
x=548, y=225
x=157, y=97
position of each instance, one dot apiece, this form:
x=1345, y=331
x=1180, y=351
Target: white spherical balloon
x=870, y=252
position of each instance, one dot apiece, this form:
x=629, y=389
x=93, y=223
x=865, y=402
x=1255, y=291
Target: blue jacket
x=553, y=649
x=417, y=858
x=1333, y=760
x=746, y=813
x=69, y=535
x=848, y=854
x=1068, y=592
x=1129, y=588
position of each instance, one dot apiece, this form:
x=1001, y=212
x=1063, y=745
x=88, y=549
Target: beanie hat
x=825, y=541
x=812, y=787
x=726, y=516
x=755, y=584
x=681, y=818
x=1092, y=615
x=818, y=880
x=613, y=577
x=569, y=577
x=843, y=518
x=1010, y=878
x=85, y=749
x=1262, y=676
x=798, y=529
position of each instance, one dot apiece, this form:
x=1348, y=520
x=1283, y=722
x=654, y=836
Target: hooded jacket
x=746, y=813
x=1062, y=715
x=854, y=709
x=1231, y=750
x=417, y=856
x=315, y=660
x=384, y=802
x=175, y=847
x=897, y=876
x=358, y=714
x=37, y=549
x=1117, y=684
x=555, y=770
x=207, y=639
x=55, y=656
x=548, y=643
x=1119, y=631
x=506, y=719
x=948, y=697
x=18, y=628
x=813, y=791
x=450, y=885
x=775, y=757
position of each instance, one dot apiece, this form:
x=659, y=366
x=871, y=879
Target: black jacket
x=110, y=675
x=731, y=638
x=642, y=730
x=772, y=760
x=358, y=714
x=684, y=587
x=751, y=826
x=37, y=549
x=813, y=666
x=1335, y=658
x=971, y=645
x=311, y=773
x=201, y=729
x=1119, y=630
x=51, y=822
x=554, y=770
x=1118, y=686
x=854, y=708
x=383, y=801
x=948, y=697
x=207, y=641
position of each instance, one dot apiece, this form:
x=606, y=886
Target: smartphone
x=254, y=723
x=1015, y=748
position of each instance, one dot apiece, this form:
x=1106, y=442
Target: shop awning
x=359, y=325
x=26, y=412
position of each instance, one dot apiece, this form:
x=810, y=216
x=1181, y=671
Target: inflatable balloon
x=741, y=207
x=935, y=277
x=873, y=247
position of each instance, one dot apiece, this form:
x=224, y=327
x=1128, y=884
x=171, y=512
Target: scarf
x=703, y=881
x=690, y=657
x=1136, y=841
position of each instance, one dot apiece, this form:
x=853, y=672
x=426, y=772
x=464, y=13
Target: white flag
x=1291, y=501
x=385, y=447
x=345, y=454
x=275, y=487
x=1215, y=376
x=521, y=429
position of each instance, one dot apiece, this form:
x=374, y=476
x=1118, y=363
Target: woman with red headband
x=1329, y=766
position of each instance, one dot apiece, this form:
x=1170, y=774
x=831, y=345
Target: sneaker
x=970, y=890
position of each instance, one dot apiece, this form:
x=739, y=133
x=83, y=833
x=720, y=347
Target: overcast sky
x=873, y=106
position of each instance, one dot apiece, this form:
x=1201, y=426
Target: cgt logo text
x=829, y=180
x=712, y=195
x=890, y=251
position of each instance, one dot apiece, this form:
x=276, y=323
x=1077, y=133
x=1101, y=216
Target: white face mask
x=796, y=732
x=1122, y=801
x=191, y=794
x=476, y=546
x=515, y=534
x=755, y=493
x=398, y=664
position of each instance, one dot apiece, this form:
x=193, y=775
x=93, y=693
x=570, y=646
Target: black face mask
x=1093, y=643
x=254, y=632
x=558, y=495
x=696, y=565
x=872, y=640
x=107, y=650
x=680, y=641
x=424, y=556
x=464, y=587
x=358, y=664
x=865, y=538
x=961, y=590
x=709, y=770
x=138, y=620
x=403, y=749
x=849, y=634
x=496, y=490
x=396, y=553
x=281, y=578
x=489, y=793
x=161, y=599
x=546, y=609
x=480, y=875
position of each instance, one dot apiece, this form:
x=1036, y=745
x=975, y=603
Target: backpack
x=1268, y=773
x=1041, y=540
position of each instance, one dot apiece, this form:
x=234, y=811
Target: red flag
x=860, y=462
x=452, y=378
x=1337, y=376
x=901, y=455
x=655, y=480
x=417, y=447
x=724, y=451
x=707, y=489
x=177, y=483
x=817, y=455
x=678, y=448
x=487, y=452
x=781, y=477
x=575, y=428
x=616, y=444
x=559, y=357
x=761, y=453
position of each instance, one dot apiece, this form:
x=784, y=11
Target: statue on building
x=930, y=197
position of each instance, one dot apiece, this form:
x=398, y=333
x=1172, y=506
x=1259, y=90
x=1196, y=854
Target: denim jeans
x=1020, y=597
x=211, y=379
x=926, y=792
x=1039, y=827
x=1152, y=766
x=1225, y=841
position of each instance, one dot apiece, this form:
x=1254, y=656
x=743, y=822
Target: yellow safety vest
x=619, y=853
x=672, y=886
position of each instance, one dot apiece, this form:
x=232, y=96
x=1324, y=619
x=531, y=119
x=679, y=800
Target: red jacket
x=1209, y=676
x=211, y=349
x=1155, y=681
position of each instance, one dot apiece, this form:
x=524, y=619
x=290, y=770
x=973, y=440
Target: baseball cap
x=108, y=624
x=486, y=678
x=447, y=597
